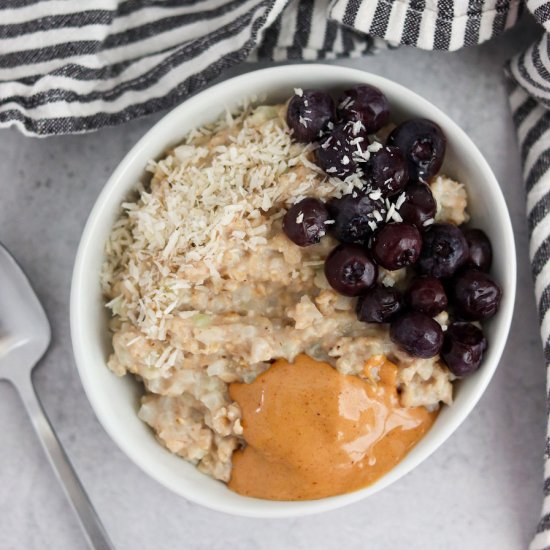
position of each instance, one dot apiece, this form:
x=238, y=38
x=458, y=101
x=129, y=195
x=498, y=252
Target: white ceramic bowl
x=115, y=400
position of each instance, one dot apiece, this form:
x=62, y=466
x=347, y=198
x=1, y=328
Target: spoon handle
x=94, y=531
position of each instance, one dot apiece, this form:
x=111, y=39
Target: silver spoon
x=24, y=337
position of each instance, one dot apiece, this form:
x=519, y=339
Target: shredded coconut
x=374, y=147
x=400, y=200
x=197, y=201
x=375, y=195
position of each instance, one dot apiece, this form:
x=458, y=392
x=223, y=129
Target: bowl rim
x=117, y=178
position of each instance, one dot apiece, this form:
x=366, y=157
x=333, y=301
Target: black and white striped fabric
x=529, y=76
x=69, y=66
x=532, y=121
x=429, y=24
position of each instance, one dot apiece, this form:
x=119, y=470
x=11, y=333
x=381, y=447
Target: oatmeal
x=207, y=289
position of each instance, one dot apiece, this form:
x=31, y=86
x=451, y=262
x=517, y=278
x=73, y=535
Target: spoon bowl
x=25, y=332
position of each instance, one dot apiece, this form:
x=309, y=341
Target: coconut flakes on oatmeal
x=199, y=200
x=206, y=290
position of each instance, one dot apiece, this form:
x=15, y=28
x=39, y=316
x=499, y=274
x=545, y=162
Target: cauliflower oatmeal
x=206, y=289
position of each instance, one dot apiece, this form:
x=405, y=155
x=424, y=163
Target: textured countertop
x=481, y=490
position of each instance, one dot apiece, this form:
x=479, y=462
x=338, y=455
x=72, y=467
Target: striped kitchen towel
x=532, y=121
x=529, y=76
x=69, y=66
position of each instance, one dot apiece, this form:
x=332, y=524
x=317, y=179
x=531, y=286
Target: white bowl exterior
x=116, y=400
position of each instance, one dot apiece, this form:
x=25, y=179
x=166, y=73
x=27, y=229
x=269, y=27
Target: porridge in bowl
x=308, y=246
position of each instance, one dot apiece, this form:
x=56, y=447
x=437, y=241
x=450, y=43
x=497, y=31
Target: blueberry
x=304, y=223
x=366, y=104
x=343, y=151
x=475, y=295
x=480, y=249
x=396, y=245
x=423, y=144
x=444, y=250
x=309, y=114
x=419, y=206
x=353, y=216
x=387, y=171
x=350, y=270
x=379, y=304
x=427, y=295
x=463, y=348
x=417, y=334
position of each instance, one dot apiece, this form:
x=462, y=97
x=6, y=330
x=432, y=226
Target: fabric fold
x=428, y=24
x=107, y=62
x=531, y=70
x=76, y=72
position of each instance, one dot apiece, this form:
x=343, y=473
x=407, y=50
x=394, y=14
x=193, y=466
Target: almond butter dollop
x=312, y=432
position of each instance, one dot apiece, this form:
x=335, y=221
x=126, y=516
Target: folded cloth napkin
x=529, y=76
x=76, y=66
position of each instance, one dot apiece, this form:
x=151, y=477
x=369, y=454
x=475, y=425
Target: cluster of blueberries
x=389, y=222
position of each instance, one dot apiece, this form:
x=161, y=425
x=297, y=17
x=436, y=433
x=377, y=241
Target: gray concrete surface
x=481, y=490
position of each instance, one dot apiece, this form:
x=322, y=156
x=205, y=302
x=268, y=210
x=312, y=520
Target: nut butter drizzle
x=312, y=432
